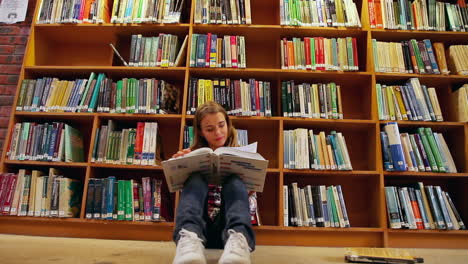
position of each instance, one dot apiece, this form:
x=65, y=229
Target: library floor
x=30, y=249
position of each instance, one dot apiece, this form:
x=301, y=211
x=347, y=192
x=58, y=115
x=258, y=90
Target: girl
x=231, y=227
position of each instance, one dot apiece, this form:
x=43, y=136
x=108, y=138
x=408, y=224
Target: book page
x=178, y=170
x=248, y=148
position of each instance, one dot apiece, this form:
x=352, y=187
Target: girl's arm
x=181, y=152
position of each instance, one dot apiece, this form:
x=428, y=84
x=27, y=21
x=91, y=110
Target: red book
x=285, y=56
x=4, y=177
x=321, y=57
x=378, y=13
x=257, y=98
x=208, y=49
x=237, y=88
x=32, y=128
x=234, y=51
x=136, y=201
x=372, y=18
x=5, y=203
x=355, y=54
x=307, y=53
x=147, y=198
x=139, y=143
x=414, y=205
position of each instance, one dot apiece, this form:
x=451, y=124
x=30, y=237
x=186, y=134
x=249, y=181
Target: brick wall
x=13, y=38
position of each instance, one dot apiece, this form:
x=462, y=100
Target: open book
x=215, y=165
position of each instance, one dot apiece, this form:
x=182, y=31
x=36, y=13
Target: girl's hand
x=181, y=153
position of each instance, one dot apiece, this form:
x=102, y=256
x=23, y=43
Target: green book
x=390, y=104
x=376, y=57
x=22, y=95
x=349, y=47
x=95, y=95
x=128, y=200
x=435, y=150
x=95, y=145
x=417, y=54
x=312, y=53
x=331, y=199
x=85, y=93
x=334, y=101
x=131, y=146
x=379, y=101
x=193, y=50
x=120, y=200
x=338, y=151
x=73, y=145
x=427, y=148
x=118, y=97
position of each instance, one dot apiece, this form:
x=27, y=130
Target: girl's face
x=214, y=129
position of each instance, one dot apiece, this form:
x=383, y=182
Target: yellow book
x=390, y=104
x=435, y=104
x=58, y=100
x=340, y=107
x=66, y=96
x=201, y=92
x=401, y=105
x=52, y=94
x=208, y=90
x=325, y=151
x=459, y=99
x=32, y=192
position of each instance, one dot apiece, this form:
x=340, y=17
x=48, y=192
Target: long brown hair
x=207, y=108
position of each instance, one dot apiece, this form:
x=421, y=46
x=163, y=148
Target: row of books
x=139, y=146
x=317, y=100
x=316, y=206
x=222, y=12
x=163, y=50
x=238, y=97
x=412, y=101
x=305, y=150
x=319, y=13
x=406, y=57
x=55, y=141
x=98, y=11
x=459, y=100
x=319, y=53
x=421, y=151
x=99, y=94
x=211, y=51
x=146, y=11
x=130, y=200
x=421, y=207
x=458, y=56
x=30, y=193
x=242, y=137
x=418, y=15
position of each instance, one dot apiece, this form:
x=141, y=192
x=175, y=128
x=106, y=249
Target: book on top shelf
x=217, y=165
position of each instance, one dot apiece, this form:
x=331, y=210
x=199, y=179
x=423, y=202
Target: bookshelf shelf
x=70, y=51
x=46, y=163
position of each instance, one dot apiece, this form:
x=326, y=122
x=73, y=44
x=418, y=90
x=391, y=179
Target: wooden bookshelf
x=74, y=51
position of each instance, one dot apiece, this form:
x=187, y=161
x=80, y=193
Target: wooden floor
x=29, y=249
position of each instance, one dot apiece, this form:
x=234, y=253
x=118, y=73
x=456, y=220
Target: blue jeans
x=192, y=212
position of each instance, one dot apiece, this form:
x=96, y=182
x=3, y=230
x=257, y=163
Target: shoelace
x=237, y=243
x=188, y=240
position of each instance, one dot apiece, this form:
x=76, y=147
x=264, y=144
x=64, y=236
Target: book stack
x=222, y=12
x=56, y=141
x=458, y=56
x=211, y=51
x=418, y=15
x=98, y=94
x=242, y=137
x=30, y=193
x=304, y=150
x=138, y=146
x=412, y=101
x=421, y=207
x=147, y=11
x=74, y=11
x=238, y=97
x=339, y=13
x=129, y=200
x=459, y=99
x=422, y=151
x=318, y=100
x=405, y=57
x=161, y=51
x=319, y=53
x=316, y=206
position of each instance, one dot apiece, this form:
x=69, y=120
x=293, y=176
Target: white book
x=250, y=166
x=285, y=206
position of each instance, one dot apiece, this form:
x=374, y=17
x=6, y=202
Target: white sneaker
x=189, y=249
x=236, y=250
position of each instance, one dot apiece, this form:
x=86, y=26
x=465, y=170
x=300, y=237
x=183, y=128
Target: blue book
x=396, y=148
x=388, y=162
x=110, y=197
x=432, y=58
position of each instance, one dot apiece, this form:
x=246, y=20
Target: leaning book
x=216, y=165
